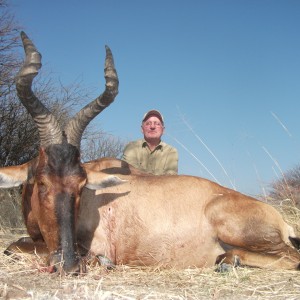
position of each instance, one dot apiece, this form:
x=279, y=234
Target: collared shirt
x=162, y=160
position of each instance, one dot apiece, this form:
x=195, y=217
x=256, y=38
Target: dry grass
x=25, y=279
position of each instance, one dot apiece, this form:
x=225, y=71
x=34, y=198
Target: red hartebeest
x=170, y=221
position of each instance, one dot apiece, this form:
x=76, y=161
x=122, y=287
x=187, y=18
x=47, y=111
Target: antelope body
x=108, y=208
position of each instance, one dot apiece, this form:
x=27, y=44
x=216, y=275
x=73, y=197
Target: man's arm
x=172, y=162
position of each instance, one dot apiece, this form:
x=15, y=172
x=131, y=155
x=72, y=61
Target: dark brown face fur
x=59, y=182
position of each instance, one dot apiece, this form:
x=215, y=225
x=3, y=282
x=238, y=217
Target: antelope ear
x=99, y=180
x=13, y=176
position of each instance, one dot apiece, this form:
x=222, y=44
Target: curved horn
x=49, y=130
x=74, y=129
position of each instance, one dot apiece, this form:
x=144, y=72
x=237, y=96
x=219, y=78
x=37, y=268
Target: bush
x=10, y=209
x=287, y=187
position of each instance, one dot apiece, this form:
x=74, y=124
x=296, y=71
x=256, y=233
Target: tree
x=19, y=139
x=100, y=144
x=9, y=43
x=10, y=109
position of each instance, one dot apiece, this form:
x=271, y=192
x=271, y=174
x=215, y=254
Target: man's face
x=152, y=128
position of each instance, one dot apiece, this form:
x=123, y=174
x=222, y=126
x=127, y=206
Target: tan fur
x=172, y=221
x=15, y=175
x=180, y=221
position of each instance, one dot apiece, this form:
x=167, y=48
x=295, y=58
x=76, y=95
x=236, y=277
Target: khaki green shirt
x=162, y=160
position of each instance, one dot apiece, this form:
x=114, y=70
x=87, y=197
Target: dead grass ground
x=25, y=279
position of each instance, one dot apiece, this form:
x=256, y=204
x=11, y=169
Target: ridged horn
x=48, y=127
x=76, y=126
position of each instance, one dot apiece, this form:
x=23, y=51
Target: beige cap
x=153, y=112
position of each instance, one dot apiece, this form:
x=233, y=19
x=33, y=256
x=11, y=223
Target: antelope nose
x=68, y=264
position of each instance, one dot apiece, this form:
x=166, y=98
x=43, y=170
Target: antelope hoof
x=225, y=264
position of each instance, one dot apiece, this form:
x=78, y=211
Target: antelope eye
x=42, y=187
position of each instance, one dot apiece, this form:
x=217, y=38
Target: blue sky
x=225, y=75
